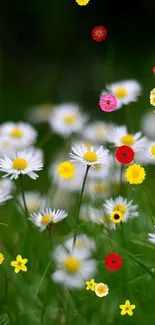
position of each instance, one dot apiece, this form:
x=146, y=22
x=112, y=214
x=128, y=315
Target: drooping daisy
x=19, y=264
x=34, y=201
x=47, y=217
x=82, y=2
x=21, y=135
x=6, y=185
x=120, y=136
x=101, y=290
x=83, y=242
x=1, y=258
x=127, y=308
x=99, y=33
x=97, y=188
x=108, y=103
x=40, y=113
x=73, y=268
x=135, y=174
x=147, y=124
x=68, y=184
x=67, y=119
x=92, y=156
x=125, y=91
x=97, y=132
x=4, y=195
x=152, y=237
x=123, y=205
x=90, y=285
x=22, y=162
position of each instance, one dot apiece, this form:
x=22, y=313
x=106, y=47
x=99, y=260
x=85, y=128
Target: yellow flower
x=116, y=216
x=19, y=264
x=101, y=290
x=127, y=308
x=1, y=258
x=152, y=100
x=135, y=174
x=90, y=285
x=82, y=2
x=66, y=169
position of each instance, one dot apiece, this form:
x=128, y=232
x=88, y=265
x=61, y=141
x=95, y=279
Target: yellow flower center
x=101, y=289
x=20, y=163
x=120, y=207
x=70, y=118
x=100, y=187
x=128, y=139
x=97, y=166
x=120, y=92
x=72, y=264
x=80, y=244
x=16, y=133
x=90, y=156
x=153, y=100
x=153, y=92
x=100, y=132
x=153, y=150
x=88, y=145
x=66, y=169
x=46, y=218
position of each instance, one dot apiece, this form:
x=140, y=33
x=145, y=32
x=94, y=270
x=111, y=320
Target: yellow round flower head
x=1, y=258
x=82, y=2
x=116, y=216
x=19, y=264
x=66, y=169
x=101, y=290
x=135, y=174
x=127, y=308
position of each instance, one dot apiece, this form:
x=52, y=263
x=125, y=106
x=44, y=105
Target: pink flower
x=108, y=102
x=153, y=70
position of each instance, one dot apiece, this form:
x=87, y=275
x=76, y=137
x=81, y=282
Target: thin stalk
x=42, y=279
x=121, y=176
x=23, y=195
x=79, y=204
x=45, y=139
x=50, y=236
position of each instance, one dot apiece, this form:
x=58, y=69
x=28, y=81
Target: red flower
x=124, y=154
x=99, y=33
x=113, y=262
x=153, y=70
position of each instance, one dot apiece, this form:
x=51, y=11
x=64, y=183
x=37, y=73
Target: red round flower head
x=124, y=154
x=99, y=33
x=153, y=70
x=108, y=103
x=113, y=262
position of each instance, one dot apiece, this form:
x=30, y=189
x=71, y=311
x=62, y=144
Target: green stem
x=41, y=281
x=23, y=195
x=50, y=236
x=79, y=205
x=121, y=177
x=45, y=139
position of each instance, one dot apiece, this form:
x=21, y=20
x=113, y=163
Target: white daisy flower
x=122, y=205
x=97, y=189
x=22, y=162
x=6, y=185
x=121, y=136
x=20, y=135
x=47, y=218
x=73, y=268
x=67, y=119
x=148, y=123
x=125, y=91
x=97, y=132
x=152, y=238
x=39, y=154
x=71, y=184
x=89, y=213
x=99, y=172
x=34, y=201
x=4, y=196
x=151, y=152
x=92, y=156
x=40, y=113
x=83, y=242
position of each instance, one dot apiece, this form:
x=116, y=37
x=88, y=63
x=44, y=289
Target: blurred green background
x=48, y=54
